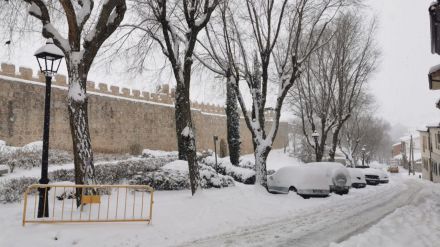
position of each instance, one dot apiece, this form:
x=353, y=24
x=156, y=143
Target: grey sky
x=400, y=86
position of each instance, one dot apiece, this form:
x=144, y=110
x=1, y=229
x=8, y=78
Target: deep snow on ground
x=415, y=225
x=179, y=218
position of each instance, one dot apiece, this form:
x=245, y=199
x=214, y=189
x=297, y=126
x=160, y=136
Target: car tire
x=305, y=196
x=292, y=188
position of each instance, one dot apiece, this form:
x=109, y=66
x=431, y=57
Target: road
x=319, y=227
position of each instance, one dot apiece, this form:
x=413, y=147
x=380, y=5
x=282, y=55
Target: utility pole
x=412, y=157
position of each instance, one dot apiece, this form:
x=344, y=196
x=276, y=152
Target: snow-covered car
x=337, y=176
x=305, y=180
x=383, y=177
x=357, y=178
x=372, y=176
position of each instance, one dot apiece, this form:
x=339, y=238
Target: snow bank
x=415, y=225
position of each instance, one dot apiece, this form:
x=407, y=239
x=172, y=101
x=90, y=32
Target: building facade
x=430, y=143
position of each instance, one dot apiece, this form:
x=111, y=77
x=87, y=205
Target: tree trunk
x=185, y=135
x=233, y=123
x=335, y=139
x=79, y=127
x=261, y=153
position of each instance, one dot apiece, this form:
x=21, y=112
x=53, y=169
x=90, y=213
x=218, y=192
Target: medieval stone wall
x=121, y=120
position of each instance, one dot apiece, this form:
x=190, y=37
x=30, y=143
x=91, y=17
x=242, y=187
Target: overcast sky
x=400, y=86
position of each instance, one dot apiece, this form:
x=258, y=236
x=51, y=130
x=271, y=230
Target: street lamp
x=49, y=59
x=434, y=14
x=215, y=152
x=315, y=136
x=363, y=155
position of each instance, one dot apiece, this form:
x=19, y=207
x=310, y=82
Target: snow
x=187, y=132
x=158, y=153
x=34, y=9
x=413, y=225
x=177, y=165
x=179, y=218
x=76, y=92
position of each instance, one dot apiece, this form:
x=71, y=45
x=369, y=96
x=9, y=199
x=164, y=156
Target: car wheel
x=292, y=188
x=305, y=196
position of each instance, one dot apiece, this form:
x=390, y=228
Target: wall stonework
x=119, y=122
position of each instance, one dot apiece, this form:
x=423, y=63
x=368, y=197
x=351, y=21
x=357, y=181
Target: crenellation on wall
x=136, y=94
x=115, y=90
x=25, y=73
x=103, y=88
x=146, y=95
x=125, y=92
x=60, y=80
x=8, y=69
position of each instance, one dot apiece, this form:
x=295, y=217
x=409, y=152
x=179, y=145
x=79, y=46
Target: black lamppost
x=215, y=152
x=315, y=136
x=363, y=155
x=49, y=59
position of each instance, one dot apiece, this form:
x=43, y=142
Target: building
x=401, y=152
x=430, y=142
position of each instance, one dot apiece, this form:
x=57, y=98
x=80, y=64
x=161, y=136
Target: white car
x=372, y=176
x=305, y=180
x=357, y=178
x=338, y=177
x=383, y=177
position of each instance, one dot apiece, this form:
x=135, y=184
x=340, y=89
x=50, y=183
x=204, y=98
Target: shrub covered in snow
x=174, y=176
x=12, y=190
x=29, y=156
x=115, y=173
x=224, y=167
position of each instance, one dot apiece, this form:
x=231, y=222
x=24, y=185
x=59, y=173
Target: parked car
x=372, y=176
x=393, y=169
x=357, y=178
x=383, y=177
x=338, y=177
x=304, y=180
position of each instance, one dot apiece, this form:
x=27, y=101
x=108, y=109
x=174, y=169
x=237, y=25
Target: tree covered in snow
x=87, y=27
x=334, y=81
x=273, y=39
x=174, y=26
x=217, y=55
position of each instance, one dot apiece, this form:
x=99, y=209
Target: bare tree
x=334, y=81
x=274, y=39
x=80, y=48
x=356, y=56
x=174, y=26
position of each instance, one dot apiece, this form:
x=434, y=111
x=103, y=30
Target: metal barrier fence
x=107, y=203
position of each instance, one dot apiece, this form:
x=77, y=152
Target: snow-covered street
x=335, y=221
x=246, y=216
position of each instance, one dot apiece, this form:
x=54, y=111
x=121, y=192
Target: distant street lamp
x=363, y=155
x=49, y=59
x=434, y=15
x=315, y=136
x=215, y=152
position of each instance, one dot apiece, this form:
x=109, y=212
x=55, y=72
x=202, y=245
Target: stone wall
x=121, y=120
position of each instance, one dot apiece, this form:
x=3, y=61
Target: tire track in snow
x=323, y=225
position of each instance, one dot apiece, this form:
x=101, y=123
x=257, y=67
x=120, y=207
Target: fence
x=107, y=203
